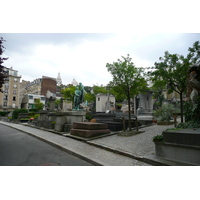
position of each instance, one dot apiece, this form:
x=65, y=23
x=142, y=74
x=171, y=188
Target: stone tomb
x=182, y=146
x=89, y=129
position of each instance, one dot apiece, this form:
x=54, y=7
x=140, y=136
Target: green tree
x=68, y=92
x=2, y=74
x=118, y=95
x=127, y=78
x=194, y=53
x=172, y=71
x=99, y=89
x=38, y=105
x=89, y=97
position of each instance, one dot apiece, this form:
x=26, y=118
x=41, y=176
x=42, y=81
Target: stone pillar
x=52, y=103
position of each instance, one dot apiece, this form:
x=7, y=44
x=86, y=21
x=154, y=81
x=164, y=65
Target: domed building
x=74, y=82
x=59, y=80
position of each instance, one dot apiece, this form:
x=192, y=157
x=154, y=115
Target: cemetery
x=180, y=144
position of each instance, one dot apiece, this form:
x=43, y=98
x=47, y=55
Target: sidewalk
x=110, y=150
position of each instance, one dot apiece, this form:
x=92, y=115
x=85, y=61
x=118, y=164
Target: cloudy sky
x=83, y=56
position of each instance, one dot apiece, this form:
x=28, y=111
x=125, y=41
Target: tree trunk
x=181, y=106
x=129, y=113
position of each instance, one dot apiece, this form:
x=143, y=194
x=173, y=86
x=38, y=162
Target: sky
x=84, y=56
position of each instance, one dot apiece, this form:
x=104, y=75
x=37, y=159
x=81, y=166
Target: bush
x=164, y=113
x=195, y=123
x=33, y=115
x=88, y=116
x=17, y=111
x=192, y=110
x=33, y=110
x=4, y=113
x=158, y=138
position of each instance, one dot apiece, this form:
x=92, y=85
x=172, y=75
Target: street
x=20, y=149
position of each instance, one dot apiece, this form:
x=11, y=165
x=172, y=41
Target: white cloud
x=84, y=56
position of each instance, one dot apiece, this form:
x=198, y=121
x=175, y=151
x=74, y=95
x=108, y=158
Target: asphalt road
x=20, y=149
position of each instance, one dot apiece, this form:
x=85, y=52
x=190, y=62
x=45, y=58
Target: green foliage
x=88, y=116
x=57, y=102
x=194, y=53
x=173, y=129
x=99, y=89
x=118, y=95
x=195, y=123
x=38, y=105
x=127, y=79
x=158, y=138
x=4, y=113
x=17, y=111
x=33, y=115
x=172, y=71
x=164, y=113
x=192, y=110
x=192, y=114
x=89, y=97
x=2, y=75
x=33, y=110
x=68, y=92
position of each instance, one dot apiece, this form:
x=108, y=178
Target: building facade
x=40, y=87
x=9, y=99
x=28, y=101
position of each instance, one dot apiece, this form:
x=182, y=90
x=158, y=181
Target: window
x=30, y=97
x=98, y=99
x=42, y=98
x=14, y=98
x=6, y=85
x=4, y=103
x=6, y=91
x=15, y=86
x=14, y=92
x=6, y=98
x=15, y=79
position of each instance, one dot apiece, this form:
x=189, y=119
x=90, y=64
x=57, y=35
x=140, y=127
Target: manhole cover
x=48, y=164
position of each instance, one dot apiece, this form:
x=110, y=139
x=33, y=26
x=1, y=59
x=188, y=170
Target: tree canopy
x=172, y=70
x=68, y=92
x=127, y=79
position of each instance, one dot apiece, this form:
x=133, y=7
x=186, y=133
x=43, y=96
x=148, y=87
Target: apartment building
x=9, y=99
x=28, y=100
x=38, y=88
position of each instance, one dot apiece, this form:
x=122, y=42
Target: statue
x=79, y=96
